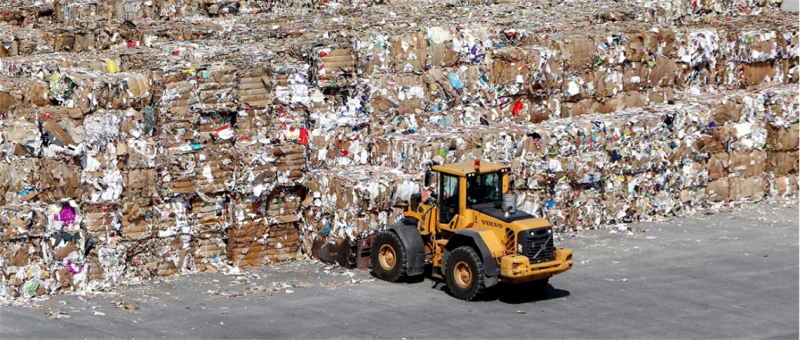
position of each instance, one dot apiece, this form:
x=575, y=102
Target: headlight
x=519, y=248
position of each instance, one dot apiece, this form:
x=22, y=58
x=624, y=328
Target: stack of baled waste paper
x=141, y=139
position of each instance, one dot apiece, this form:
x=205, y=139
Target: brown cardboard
x=64, y=249
x=780, y=138
x=756, y=73
x=718, y=190
x=59, y=181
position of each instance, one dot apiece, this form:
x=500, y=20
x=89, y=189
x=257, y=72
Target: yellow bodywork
x=518, y=269
x=499, y=236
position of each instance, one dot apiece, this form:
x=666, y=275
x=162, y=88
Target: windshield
x=484, y=188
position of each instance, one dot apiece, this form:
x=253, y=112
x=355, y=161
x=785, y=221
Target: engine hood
x=492, y=217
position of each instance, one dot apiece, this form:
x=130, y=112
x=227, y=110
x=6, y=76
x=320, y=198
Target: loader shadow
x=518, y=294
x=502, y=292
x=511, y=294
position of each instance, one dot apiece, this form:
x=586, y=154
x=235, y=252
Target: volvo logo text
x=492, y=224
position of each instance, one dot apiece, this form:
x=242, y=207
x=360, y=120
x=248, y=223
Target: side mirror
x=428, y=176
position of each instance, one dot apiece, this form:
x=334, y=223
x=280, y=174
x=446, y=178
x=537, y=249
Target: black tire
x=459, y=287
x=385, y=242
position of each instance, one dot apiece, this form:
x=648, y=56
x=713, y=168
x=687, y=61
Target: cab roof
x=465, y=168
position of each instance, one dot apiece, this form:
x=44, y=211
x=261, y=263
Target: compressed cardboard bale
x=440, y=47
x=59, y=181
x=785, y=186
x=68, y=244
x=263, y=168
x=579, y=84
x=282, y=201
x=372, y=53
x=336, y=194
x=176, y=97
x=577, y=52
x=102, y=186
x=173, y=255
x=408, y=53
x=757, y=73
x=510, y=66
x=102, y=127
x=254, y=88
x=178, y=133
x=289, y=161
x=344, y=110
x=335, y=67
x=103, y=157
x=583, y=107
x=22, y=180
x=62, y=137
x=170, y=217
x=719, y=190
x=137, y=123
x=404, y=93
x=637, y=76
x=663, y=72
x=259, y=236
x=747, y=164
x=216, y=88
x=90, y=89
x=209, y=252
x=660, y=95
x=462, y=99
x=64, y=280
x=211, y=214
x=103, y=222
x=215, y=171
x=176, y=174
x=782, y=138
x=730, y=111
x=752, y=188
x=783, y=162
x=137, y=218
x=247, y=236
x=290, y=86
x=251, y=126
x=20, y=140
x=460, y=83
x=112, y=259
x=20, y=252
x=718, y=165
x=149, y=33
x=283, y=243
x=23, y=40
x=22, y=222
x=139, y=183
x=608, y=81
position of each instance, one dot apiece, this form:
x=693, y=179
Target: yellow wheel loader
x=470, y=232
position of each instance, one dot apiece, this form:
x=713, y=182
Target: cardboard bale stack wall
x=155, y=138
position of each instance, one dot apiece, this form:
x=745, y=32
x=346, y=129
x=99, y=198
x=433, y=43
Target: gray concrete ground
x=730, y=275
x=790, y=5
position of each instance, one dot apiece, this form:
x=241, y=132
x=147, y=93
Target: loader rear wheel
x=464, y=273
x=388, y=256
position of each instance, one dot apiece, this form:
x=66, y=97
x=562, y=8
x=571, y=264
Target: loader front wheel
x=464, y=273
x=388, y=256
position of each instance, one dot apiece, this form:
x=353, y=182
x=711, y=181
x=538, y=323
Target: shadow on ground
x=511, y=294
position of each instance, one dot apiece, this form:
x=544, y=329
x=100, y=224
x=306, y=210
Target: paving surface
x=730, y=275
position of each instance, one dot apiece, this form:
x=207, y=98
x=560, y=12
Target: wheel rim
x=462, y=273
x=387, y=257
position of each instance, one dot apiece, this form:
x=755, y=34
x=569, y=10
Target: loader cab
x=465, y=184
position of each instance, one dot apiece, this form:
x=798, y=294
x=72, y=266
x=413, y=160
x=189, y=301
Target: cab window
x=449, y=197
x=484, y=188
